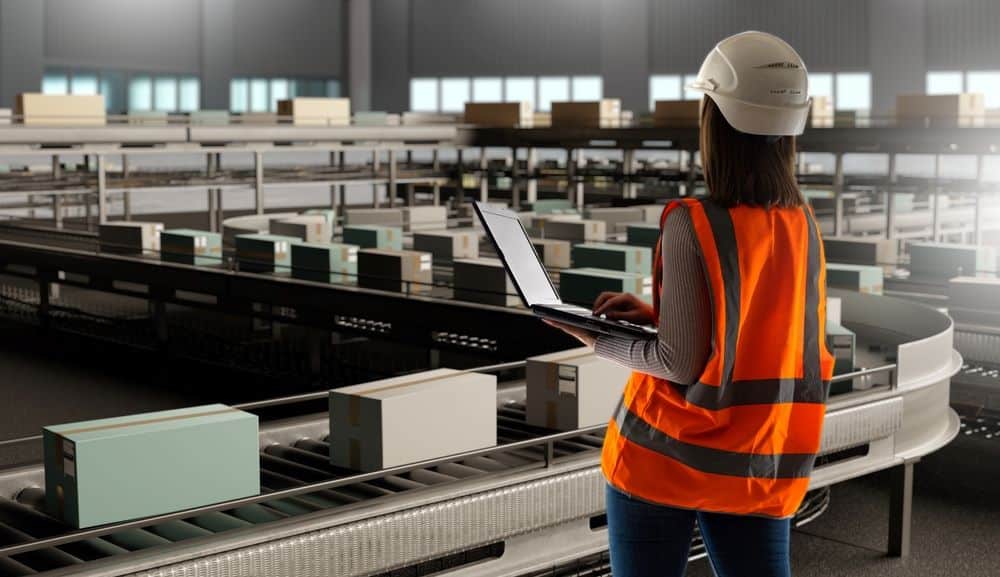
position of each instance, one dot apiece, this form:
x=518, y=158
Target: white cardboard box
x=417, y=417
x=315, y=111
x=308, y=227
x=60, y=109
x=555, y=253
x=447, y=245
x=130, y=237
x=577, y=231
x=378, y=216
x=420, y=218
x=573, y=389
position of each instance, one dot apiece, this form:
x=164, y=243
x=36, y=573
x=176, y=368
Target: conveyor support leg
x=532, y=167
x=258, y=163
x=838, y=194
x=901, y=509
x=102, y=190
x=515, y=182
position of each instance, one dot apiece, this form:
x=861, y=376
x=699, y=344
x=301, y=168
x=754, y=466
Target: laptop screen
x=519, y=256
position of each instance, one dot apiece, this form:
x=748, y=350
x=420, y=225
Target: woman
x=721, y=419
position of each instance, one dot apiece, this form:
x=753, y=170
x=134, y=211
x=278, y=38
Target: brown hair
x=746, y=169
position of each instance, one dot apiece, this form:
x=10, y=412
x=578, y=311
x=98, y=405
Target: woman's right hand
x=624, y=307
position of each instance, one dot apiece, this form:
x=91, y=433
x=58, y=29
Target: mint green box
x=374, y=236
x=550, y=206
x=325, y=262
x=855, y=277
x=264, y=252
x=328, y=213
x=944, y=260
x=613, y=257
x=643, y=234
x=113, y=470
x=189, y=246
x=581, y=286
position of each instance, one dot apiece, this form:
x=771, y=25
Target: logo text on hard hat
x=788, y=65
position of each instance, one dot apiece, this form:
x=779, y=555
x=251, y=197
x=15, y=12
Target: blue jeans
x=650, y=540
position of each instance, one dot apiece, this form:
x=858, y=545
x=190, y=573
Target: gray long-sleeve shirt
x=684, y=342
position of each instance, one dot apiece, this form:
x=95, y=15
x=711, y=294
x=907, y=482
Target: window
x=688, y=93
x=83, y=84
x=239, y=95
x=487, y=90
x=663, y=87
x=821, y=84
x=519, y=89
x=854, y=91
x=944, y=82
x=262, y=94
x=190, y=94
x=986, y=83
x=140, y=93
x=280, y=90
x=552, y=89
x=587, y=88
x=424, y=95
x=333, y=88
x=258, y=95
x=454, y=94
x=55, y=84
x=165, y=94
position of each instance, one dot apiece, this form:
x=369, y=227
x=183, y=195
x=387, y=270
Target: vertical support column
x=628, y=170
x=977, y=210
x=935, y=207
x=341, y=189
x=838, y=191
x=411, y=194
x=375, y=155
x=532, y=167
x=570, y=175
x=484, y=176
x=890, y=199
x=515, y=184
x=127, y=204
x=125, y=170
x=460, y=175
x=57, y=212
x=212, y=211
x=258, y=166
x=209, y=165
x=901, y=509
x=393, y=178
x=692, y=174
x=102, y=190
x=436, y=167
x=56, y=167
x=220, y=210
x=579, y=189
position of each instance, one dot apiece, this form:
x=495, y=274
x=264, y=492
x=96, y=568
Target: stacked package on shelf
x=677, y=113
x=372, y=236
x=572, y=389
x=325, y=262
x=60, y=109
x=621, y=257
x=306, y=227
x=485, y=281
x=576, y=231
x=414, y=418
x=855, y=277
x=581, y=286
x=264, y=253
x=376, y=216
x=123, y=468
x=193, y=247
x=395, y=270
x=555, y=253
x=130, y=237
x=860, y=250
x=315, y=111
x=499, y=114
x=421, y=218
x=448, y=245
x=943, y=260
x=606, y=113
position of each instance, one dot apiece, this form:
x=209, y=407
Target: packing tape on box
x=146, y=421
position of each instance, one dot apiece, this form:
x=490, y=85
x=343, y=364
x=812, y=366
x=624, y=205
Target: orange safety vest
x=743, y=438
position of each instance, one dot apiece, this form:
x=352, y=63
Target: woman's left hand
x=584, y=336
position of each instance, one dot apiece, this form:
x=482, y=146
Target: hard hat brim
x=758, y=119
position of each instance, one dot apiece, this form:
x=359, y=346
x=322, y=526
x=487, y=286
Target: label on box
x=425, y=262
x=69, y=458
x=567, y=380
x=647, y=286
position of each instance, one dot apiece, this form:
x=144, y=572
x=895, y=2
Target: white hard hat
x=759, y=83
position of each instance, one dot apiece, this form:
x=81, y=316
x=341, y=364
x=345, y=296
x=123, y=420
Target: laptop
x=533, y=283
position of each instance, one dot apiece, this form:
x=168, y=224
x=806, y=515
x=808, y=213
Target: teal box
x=841, y=343
x=264, y=252
x=553, y=206
x=189, y=246
x=613, y=257
x=374, y=236
x=581, y=286
x=643, y=234
x=113, y=470
x=325, y=262
x=855, y=277
x=943, y=260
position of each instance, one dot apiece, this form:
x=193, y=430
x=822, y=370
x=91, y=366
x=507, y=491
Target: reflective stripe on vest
x=743, y=438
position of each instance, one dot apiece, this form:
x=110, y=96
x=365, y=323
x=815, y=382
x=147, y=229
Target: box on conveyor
x=6, y=115
x=834, y=308
x=193, y=247
x=60, y=109
x=327, y=213
x=605, y=113
x=860, y=250
x=940, y=110
x=499, y=114
x=841, y=343
x=209, y=117
x=448, y=245
x=572, y=389
x=147, y=117
x=485, y=281
x=613, y=257
x=316, y=111
x=375, y=118
x=325, y=261
x=417, y=417
x=614, y=216
x=821, y=115
x=974, y=300
x=395, y=270
x=555, y=253
x=421, y=218
x=373, y=236
x=677, y=113
x=307, y=227
x=943, y=260
x=122, y=468
x=377, y=216
x=129, y=237
x=581, y=286
x=264, y=253
x=575, y=230
x=552, y=205
x=643, y=234
x=855, y=277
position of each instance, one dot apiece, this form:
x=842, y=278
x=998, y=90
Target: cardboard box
x=371, y=236
x=941, y=110
x=60, y=109
x=379, y=216
x=6, y=116
x=130, y=237
x=613, y=257
x=576, y=231
x=643, y=234
x=869, y=251
x=841, y=343
x=147, y=118
x=316, y=111
x=677, y=113
x=573, y=389
x=943, y=260
x=307, y=227
x=484, y=280
x=325, y=262
x=822, y=114
x=113, y=470
x=499, y=114
x=327, y=213
x=604, y=113
x=834, y=306
x=855, y=277
x=193, y=247
x=404, y=271
x=447, y=246
x=414, y=418
x=974, y=300
x=547, y=206
x=209, y=117
x=555, y=253
x=420, y=218
x=616, y=215
x=265, y=253
x=581, y=286
x=373, y=118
